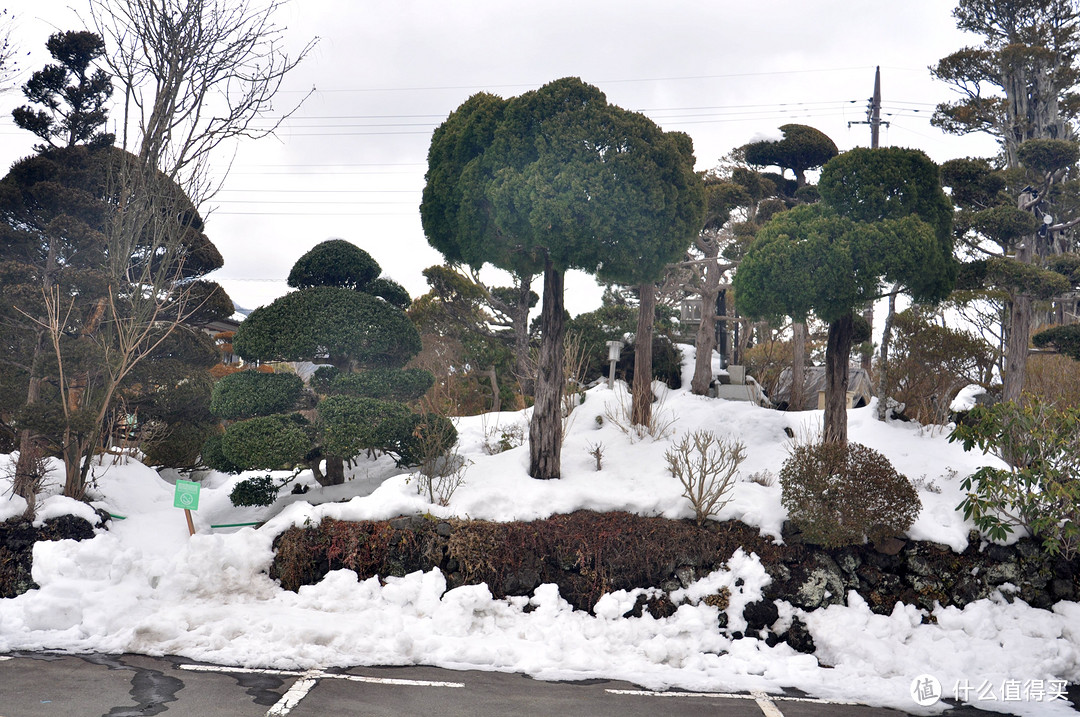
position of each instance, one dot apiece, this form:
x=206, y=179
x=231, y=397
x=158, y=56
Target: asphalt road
x=48, y=685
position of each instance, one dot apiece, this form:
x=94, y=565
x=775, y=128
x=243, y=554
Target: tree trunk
x=545, y=429
x=866, y=359
x=316, y=471
x=883, y=358
x=1016, y=348
x=706, y=333
x=837, y=354
x=641, y=408
x=335, y=471
x=797, y=400
x=520, y=319
x=496, y=401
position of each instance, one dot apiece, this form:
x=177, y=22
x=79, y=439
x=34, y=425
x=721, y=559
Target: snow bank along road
x=39, y=684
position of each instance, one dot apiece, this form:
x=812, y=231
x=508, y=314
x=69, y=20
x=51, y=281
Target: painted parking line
x=307, y=680
x=765, y=701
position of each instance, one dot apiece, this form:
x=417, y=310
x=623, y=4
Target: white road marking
x=292, y=697
x=733, y=696
x=768, y=707
x=307, y=680
x=319, y=674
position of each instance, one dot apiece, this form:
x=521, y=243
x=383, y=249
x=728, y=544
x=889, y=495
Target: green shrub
x=1040, y=491
x=179, y=445
x=213, y=457
x=261, y=490
x=423, y=438
x=843, y=495
x=247, y=394
x=323, y=378
x=266, y=442
x=351, y=425
x=388, y=384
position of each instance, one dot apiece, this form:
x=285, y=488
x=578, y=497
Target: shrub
x=251, y=393
x=705, y=464
x=843, y=495
x=351, y=425
x=423, y=438
x=262, y=490
x=178, y=446
x=387, y=384
x=1040, y=491
x=266, y=442
x=213, y=457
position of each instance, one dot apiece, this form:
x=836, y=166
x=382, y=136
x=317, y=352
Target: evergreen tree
x=355, y=403
x=1017, y=85
x=72, y=94
x=552, y=180
x=883, y=217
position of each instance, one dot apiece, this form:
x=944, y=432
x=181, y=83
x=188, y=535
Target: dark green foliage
x=352, y=425
x=209, y=302
x=1022, y=278
x=845, y=494
x=424, y=437
x=612, y=322
x=261, y=490
x=323, y=378
x=391, y=291
x=179, y=446
x=802, y=148
x=666, y=363
x=1068, y=265
x=266, y=442
x=214, y=457
x=1004, y=223
x=1041, y=489
x=246, y=394
x=390, y=384
x=74, y=98
x=871, y=185
x=328, y=323
x=1047, y=156
x=1065, y=339
x=973, y=182
x=334, y=263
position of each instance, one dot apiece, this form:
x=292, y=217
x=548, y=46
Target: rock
x=799, y=637
x=824, y=585
x=920, y=565
x=889, y=546
x=1002, y=573
x=443, y=529
x=686, y=575
x=1063, y=589
x=760, y=614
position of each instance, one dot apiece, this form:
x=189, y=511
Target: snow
x=144, y=586
x=967, y=398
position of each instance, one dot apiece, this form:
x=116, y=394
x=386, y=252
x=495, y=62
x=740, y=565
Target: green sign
x=187, y=495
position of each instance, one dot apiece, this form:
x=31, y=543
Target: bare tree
x=196, y=75
x=8, y=65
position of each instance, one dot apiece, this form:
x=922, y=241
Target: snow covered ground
x=144, y=586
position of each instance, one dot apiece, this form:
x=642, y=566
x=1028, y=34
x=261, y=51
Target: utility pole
x=873, y=112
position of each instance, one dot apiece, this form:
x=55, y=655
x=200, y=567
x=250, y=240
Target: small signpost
x=187, y=497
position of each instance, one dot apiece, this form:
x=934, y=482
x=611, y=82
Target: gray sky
x=351, y=162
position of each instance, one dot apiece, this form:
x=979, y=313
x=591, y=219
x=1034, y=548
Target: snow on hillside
x=144, y=586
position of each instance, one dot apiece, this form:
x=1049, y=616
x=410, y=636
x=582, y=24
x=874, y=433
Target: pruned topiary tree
x=552, y=180
x=355, y=403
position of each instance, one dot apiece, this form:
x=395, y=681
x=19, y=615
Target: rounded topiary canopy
x=328, y=324
x=252, y=393
x=802, y=148
x=335, y=262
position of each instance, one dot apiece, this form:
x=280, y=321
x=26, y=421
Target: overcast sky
x=350, y=163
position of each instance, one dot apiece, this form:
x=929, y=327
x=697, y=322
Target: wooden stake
x=190, y=524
